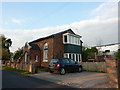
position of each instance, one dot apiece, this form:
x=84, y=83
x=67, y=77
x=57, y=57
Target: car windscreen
x=54, y=61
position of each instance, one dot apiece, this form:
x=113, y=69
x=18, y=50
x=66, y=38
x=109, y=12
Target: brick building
x=64, y=44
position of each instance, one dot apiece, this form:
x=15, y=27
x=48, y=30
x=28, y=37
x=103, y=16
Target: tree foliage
x=4, y=47
x=89, y=53
x=18, y=54
x=117, y=54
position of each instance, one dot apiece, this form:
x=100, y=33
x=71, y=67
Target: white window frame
x=26, y=57
x=68, y=55
x=45, y=60
x=71, y=56
x=36, y=58
x=71, y=39
x=80, y=58
x=75, y=57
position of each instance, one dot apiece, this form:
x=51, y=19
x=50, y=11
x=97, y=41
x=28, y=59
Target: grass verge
x=15, y=70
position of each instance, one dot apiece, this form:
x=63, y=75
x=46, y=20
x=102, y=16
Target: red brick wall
x=50, y=50
x=111, y=66
x=33, y=54
x=58, y=47
x=55, y=48
x=23, y=58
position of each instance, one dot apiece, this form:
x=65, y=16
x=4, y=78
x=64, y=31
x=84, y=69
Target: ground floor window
x=36, y=58
x=45, y=53
x=26, y=57
x=74, y=56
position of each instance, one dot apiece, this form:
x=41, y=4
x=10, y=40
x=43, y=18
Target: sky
x=96, y=22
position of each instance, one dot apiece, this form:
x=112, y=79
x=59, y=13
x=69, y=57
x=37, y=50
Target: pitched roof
x=52, y=35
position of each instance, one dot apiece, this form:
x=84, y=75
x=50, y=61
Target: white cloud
x=18, y=21
x=106, y=10
x=101, y=27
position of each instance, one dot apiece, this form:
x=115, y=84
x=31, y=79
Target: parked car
x=64, y=65
x=91, y=60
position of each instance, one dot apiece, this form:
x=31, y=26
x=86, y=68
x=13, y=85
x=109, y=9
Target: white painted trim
x=68, y=55
x=45, y=60
x=78, y=58
x=75, y=57
x=72, y=39
x=68, y=39
x=26, y=56
x=71, y=56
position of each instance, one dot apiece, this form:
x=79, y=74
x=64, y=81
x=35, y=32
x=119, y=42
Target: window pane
x=26, y=57
x=79, y=41
x=65, y=38
x=65, y=61
x=71, y=61
x=79, y=57
x=45, y=57
x=76, y=57
x=70, y=56
x=75, y=40
x=70, y=39
x=73, y=57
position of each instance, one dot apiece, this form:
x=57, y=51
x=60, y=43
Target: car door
x=72, y=65
x=66, y=64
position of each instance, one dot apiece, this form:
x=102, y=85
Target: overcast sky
x=96, y=22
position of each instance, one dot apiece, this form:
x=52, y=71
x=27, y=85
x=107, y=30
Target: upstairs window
x=65, y=38
x=71, y=39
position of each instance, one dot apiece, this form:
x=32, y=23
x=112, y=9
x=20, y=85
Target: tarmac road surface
x=12, y=79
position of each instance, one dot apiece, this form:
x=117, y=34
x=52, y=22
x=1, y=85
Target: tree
x=5, y=54
x=18, y=54
x=4, y=47
x=117, y=54
x=89, y=53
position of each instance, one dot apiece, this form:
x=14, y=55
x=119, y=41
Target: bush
x=117, y=54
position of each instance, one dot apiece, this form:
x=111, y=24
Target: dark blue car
x=64, y=65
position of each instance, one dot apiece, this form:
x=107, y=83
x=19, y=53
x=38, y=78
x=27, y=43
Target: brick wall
x=33, y=54
x=50, y=50
x=58, y=47
x=94, y=66
x=111, y=65
x=31, y=67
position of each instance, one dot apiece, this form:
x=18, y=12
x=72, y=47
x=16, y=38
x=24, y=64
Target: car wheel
x=62, y=71
x=80, y=69
x=51, y=71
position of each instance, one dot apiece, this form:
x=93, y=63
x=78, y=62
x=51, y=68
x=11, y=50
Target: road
x=14, y=80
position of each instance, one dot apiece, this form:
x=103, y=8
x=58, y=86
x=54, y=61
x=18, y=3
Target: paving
x=77, y=80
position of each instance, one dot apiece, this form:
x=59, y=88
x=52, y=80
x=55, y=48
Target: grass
x=15, y=70
x=43, y=69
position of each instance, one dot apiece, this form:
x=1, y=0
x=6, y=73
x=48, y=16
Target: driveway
x=78, y=80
